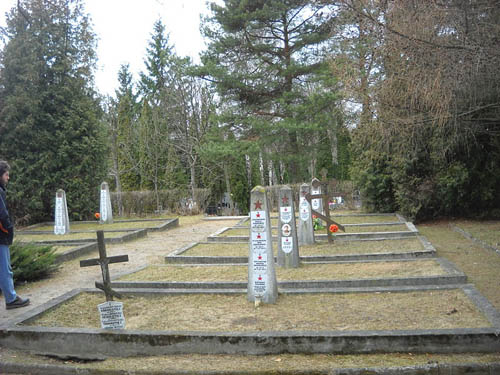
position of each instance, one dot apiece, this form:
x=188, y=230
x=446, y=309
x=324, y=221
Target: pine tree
x=269, y=59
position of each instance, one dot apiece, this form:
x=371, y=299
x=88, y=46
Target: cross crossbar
x=309, y=197
x=104, y=261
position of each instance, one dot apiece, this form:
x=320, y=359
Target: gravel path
x=149, y=250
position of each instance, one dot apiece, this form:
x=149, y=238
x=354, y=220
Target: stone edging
x=432, y=368
x=469, y=236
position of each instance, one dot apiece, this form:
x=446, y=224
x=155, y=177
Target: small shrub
x=31, y=261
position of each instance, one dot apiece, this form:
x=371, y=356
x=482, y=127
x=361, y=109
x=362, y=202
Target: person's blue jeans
x=6, y=275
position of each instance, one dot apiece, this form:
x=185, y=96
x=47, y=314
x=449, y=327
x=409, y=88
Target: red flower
x=334, y=228
x=315, y=217
x=97, y=215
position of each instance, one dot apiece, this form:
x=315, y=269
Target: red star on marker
x=260, y=278
x=258, y=236
x=260, y=257
x=258, y=205
x=284, y=200
x=258, y=214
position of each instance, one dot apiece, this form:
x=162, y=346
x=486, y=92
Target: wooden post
x=104, y=261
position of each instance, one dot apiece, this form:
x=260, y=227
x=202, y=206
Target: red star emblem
x=258, y=236
x=258, y=205
x=260, y=257
x=260, y=278
x=285, y=200
x=258, y=214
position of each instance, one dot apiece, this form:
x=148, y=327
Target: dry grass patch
x=75, y=226
x=444, y=309
x=358, y=229
x=487, y=231
x=267, y=364
x=326, y=271
x=91, y=236
x=480, y=265
x=347, y=219
x=319, y=248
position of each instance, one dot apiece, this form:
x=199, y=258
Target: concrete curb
x=123, y=343
x=429, y=251
x=412, y=231
x=469, y=236
x=436, y=369
x=451, y=275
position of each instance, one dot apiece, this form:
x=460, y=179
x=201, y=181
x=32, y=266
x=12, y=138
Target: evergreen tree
x=49, y=120
x=269, y=59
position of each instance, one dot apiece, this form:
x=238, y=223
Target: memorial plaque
x=287, y=244
x=111, y=313
x=61, y=218
x=262, y=284
x=288, y=250
x=304, y=209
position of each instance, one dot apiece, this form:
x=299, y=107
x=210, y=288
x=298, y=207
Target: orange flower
x=334, y=228
x=97, y=215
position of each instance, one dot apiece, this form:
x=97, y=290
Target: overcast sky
x=124, y=28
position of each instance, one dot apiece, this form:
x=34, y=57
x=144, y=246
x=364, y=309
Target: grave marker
x=105, y=207
x=61, y=218
x=316, y=204
x=326, y=217
x=288, y=249
x=103, y=261
x=262, y=284
x=305, y=229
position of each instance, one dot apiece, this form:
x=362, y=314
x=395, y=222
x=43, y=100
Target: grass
x=346, y=219
x=487, y=231
x=329, y=271
x=361, y=229
x=443, y=309
x=76, y=226
x=480, y=265
x=319, y=248
x=91, y=236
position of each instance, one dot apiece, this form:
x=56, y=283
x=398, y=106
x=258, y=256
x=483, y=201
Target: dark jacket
x=6, y=227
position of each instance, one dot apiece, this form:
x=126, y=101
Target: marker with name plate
x=61, y=218
x=305, y=227
x=288, y=244
x=105, y=205
x=262, y=284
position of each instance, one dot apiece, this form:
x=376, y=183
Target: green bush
x=31, y=261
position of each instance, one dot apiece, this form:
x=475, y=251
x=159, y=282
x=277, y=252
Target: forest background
x=401, y=97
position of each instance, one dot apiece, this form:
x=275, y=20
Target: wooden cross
x=103, y=261
x=326, y=207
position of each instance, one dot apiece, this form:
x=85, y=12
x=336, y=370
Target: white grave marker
x=262, y=284
x=111, y=313
x=288, y=249
x=61, y=218
x=305, y=229
x=317, y=204
x=105, y=209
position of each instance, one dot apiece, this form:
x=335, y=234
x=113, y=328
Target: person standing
x=12, y=300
